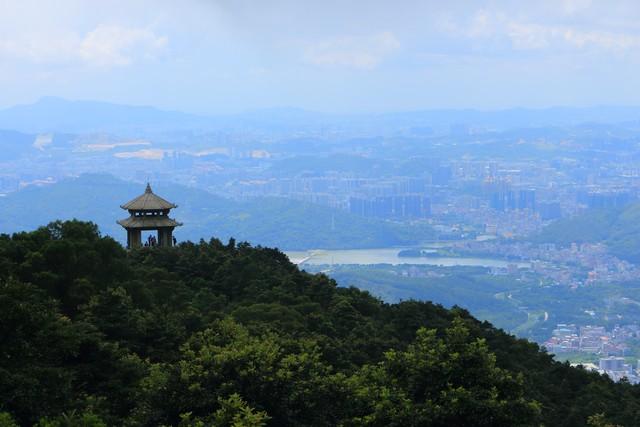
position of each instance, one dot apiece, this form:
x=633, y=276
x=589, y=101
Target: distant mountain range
x=52, y=114
x=287, y=224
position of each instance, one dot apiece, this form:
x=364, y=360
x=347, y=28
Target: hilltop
x=215, y=333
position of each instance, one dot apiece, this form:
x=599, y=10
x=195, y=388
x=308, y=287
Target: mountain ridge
x=53, y=114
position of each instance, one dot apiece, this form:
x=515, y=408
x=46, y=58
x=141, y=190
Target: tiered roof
x=149, y=212
x=148, y=202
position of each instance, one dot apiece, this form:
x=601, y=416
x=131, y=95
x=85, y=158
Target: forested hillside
x=618, y=228
x=223, y=334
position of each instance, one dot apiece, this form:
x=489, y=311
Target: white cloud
x=117, y=46
x=354, y=52
x=482, y=25
x=605, y=40
x=522, y=34
x=104, y=46
x=531, y=36
x=528, y=36
x=440, y=52
x=40, y=48
x=572, y=6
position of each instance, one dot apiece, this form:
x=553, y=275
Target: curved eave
x=149, y=222
x=173, y=206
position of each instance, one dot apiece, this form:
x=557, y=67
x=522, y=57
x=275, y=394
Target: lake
x=390, y=256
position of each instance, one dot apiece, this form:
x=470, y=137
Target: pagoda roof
x=149, y=222
x=148, y=202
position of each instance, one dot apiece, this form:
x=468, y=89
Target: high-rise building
x=527, y=200
x=604, y=199
x=503, y=200
x=612, y=363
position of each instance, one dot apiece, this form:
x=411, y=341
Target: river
x=390, y=256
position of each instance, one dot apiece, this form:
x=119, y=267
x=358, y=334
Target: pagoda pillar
x=165, y=237
x=134, y=238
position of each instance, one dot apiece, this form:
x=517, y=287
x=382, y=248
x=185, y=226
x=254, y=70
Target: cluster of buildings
x=576, y=265
x=402, y=206
x=614, y=198
x=612, y=346
x=569, y=338
x=505, y=198
x=615, y=368
x=394, y=197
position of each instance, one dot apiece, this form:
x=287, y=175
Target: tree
x=442, y=381
x=599, y=420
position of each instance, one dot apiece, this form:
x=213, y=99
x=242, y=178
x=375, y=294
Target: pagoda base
x=164, y=237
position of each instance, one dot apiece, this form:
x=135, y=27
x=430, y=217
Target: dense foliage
x=227, y=334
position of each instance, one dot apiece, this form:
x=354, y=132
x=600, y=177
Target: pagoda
x=149, y=212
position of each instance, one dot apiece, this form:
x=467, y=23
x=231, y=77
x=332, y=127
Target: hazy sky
x=349, y=55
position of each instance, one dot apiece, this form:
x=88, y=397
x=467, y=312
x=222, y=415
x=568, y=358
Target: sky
x=335, y=56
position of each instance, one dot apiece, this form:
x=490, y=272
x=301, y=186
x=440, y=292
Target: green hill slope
x=227, y=334
x=619, y=229
x=282, y=223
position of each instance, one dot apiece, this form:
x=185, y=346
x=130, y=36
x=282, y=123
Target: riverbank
x=392, y=256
